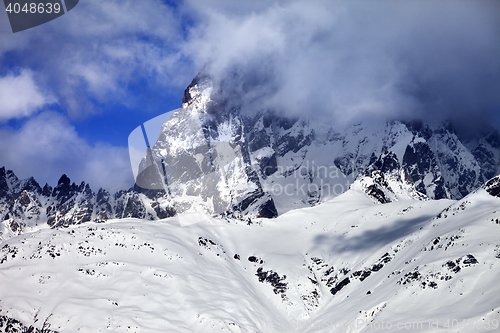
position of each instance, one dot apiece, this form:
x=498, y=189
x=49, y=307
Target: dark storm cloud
x=430, y=60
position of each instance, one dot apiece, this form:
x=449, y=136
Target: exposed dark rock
x=11, y=325
x=364, y=275
x=386, y=163
x=255, y=259
x=187, y=93
x=4, y=187
x=410, y=277
x=377, y=193
x=64, y=189
x=163, y=212
x=452, y=266
x=129, y=204
x=279, y=287
x=103, y=208
x=419, y=160
x=345, y=163
x=493, y=186
x=340, y=285
x=470, y=260
x=418, y=128
x=47, y=190
x=268, y=210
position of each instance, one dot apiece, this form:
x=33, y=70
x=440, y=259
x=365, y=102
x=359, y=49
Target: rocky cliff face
x=493, y=186
x=210, y=156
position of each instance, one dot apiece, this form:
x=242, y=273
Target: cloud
x=335, y=61
x=340, y=60
x=101, y=52
x=348, y=61
x=47, y=146
x=20, y=96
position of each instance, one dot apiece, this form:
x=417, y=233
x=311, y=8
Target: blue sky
x=72, y=90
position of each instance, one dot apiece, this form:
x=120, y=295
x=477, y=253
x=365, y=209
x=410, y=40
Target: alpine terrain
x=256, y=222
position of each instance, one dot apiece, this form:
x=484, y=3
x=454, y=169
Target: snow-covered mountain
x=254, y=222
x=347, y=265
x=25, y=206
x=211, y=157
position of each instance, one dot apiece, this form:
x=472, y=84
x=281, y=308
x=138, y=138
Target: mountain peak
x=64, y=180
x=191, y=92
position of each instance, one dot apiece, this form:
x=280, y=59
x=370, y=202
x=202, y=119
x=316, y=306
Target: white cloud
x=20, y=96
x=47, y=146
x=95, y=53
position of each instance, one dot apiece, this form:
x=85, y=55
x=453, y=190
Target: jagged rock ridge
x=23, y=203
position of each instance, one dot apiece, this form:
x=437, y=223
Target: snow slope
x=347, y=265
